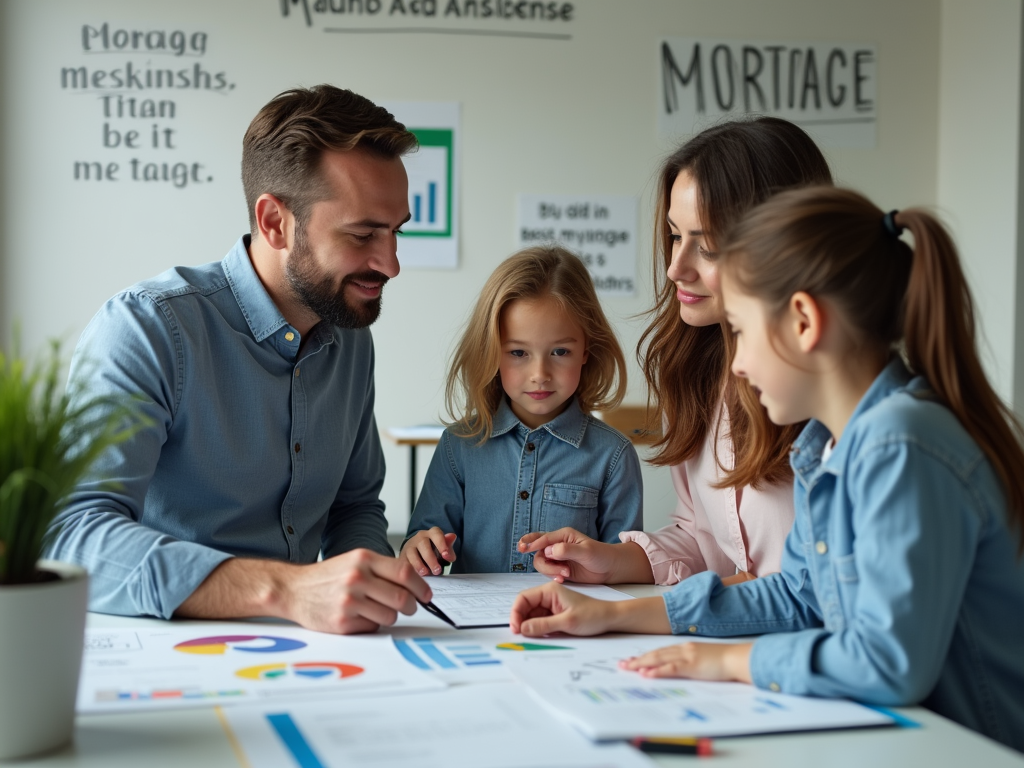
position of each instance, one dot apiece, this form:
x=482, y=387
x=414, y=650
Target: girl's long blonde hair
x=473, y=389
x=832, y=244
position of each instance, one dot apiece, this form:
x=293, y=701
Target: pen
x=679, y=746
x=437, y=554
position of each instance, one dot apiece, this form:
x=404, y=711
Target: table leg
x=412, y=479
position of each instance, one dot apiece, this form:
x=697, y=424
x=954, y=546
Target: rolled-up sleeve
x=129, y=352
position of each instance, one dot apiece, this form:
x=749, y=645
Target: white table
x=195, y=739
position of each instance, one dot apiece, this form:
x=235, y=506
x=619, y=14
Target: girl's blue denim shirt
x=574, y=471
x=900, y=581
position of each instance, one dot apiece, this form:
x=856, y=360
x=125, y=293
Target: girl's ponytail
x=940, y=344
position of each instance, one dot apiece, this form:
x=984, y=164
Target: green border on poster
x=437, y=137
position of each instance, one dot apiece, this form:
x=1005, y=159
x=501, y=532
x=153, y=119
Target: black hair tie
x=890, y=226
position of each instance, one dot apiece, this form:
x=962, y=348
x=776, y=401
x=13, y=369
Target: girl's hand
x=700, y=661
x=423, y=548
x=554, y=608
x=568, y=555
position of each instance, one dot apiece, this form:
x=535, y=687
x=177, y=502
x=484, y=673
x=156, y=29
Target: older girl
x=524, y=452
x=902, y=580
x=728, y=462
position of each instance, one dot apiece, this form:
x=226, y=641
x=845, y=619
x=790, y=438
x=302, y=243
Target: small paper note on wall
x=601, y=229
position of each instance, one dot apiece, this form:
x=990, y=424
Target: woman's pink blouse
x=718, y=529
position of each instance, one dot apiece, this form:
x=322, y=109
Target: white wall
x=979, y=164
x=539, y=116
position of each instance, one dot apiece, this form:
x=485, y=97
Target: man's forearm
x=240, y=588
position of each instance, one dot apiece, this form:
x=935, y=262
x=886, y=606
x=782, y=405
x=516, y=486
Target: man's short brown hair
x=282, y=149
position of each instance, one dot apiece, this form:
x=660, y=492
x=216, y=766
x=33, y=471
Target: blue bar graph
x=410, y=655
x=417, y=205
x=435, y=654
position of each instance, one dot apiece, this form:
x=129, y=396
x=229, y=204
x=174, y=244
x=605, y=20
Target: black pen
x=684, y=745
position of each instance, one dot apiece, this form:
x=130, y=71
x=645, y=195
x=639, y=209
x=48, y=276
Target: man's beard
x=316, y=290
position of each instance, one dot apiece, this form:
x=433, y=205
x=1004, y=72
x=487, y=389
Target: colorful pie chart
x=219, y=645
x=314, y=669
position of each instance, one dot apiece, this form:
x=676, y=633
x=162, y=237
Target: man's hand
x=422, y=550
x=568, y=555
x=358, y=591
x=700, y=661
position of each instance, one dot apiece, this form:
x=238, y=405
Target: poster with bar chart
x=430, y=239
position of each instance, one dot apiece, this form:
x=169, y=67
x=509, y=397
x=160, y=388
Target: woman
x=730, y=469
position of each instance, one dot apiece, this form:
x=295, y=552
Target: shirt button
x=774, y=687
x=518, y=567
x=524, y=495
x=692, y=629
x=296, y=373
x=298, y=447
x=822, y=547
x=530, y=447
x=289, y=336
x=290, y=530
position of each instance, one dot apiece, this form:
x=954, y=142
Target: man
x=256, y=376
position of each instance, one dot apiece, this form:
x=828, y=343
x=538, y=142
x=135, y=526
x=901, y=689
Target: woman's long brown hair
x=735, y=166
x=831, y=243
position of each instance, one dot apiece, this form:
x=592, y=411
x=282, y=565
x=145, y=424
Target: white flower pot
x=42, y=628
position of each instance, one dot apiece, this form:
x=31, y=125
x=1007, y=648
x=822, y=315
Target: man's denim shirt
x=253, y=449
x=900, y=581
x=574, y=471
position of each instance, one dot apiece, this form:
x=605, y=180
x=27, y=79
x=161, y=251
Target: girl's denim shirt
x=574, y=471
x=900, y=581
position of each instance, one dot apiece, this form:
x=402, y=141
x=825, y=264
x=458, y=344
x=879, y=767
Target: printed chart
x=489, y=725
x=130, y=670
x=586, y=688
x=460, y=657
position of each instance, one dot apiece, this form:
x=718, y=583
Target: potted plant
x=48, y=441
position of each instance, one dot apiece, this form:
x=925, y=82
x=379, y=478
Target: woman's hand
x=568, y=555
x=700, y=661
x=422, y=551
x=556, y=608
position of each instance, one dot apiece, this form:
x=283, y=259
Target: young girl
x=523, y=452
x=728, y=463
x=902, y=579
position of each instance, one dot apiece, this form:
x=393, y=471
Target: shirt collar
x=805, y=456
x=262, y=315
x=569, y=426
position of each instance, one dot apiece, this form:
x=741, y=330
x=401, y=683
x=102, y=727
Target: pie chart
x=308, y=669
x=219, y=644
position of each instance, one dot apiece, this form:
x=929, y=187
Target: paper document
x=583, y=684
x=489, y=725
x=208, y=664
x=485, y=599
